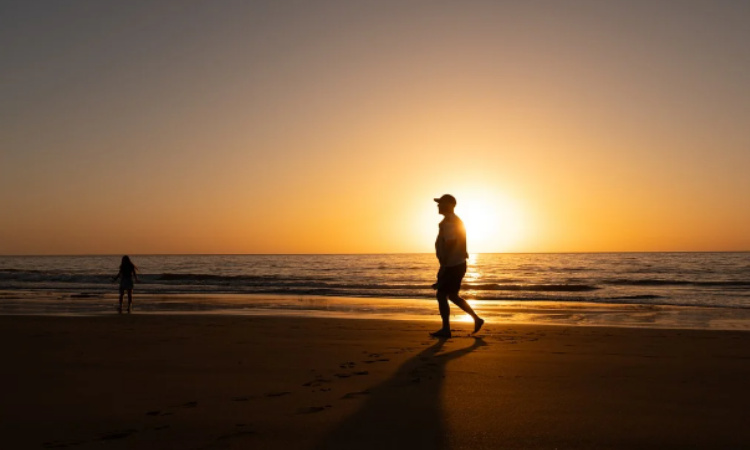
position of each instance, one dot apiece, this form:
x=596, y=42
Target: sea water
x=678, y=279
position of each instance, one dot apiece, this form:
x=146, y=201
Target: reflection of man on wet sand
x=450, y=248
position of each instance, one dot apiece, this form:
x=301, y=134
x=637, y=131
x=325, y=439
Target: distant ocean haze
x=688, y=279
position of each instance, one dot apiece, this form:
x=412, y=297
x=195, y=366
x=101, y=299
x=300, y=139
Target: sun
x=493, y=223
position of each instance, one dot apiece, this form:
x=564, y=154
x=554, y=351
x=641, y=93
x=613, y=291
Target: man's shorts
x=449, y=279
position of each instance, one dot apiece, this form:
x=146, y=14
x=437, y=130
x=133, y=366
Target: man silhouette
x=450, y=248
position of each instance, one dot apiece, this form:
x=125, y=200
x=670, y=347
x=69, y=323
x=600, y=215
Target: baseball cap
x=447, y=198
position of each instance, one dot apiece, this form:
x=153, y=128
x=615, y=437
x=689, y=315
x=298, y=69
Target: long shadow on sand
x=405, y=411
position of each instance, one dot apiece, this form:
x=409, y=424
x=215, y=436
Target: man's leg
x=445, y=314
x=464, y=305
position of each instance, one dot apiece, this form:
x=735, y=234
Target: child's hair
x=126, y=265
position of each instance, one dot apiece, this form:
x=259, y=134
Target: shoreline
x=201, y=381
x=620, y=315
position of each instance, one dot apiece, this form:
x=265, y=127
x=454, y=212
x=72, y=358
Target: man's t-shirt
x=451, y=229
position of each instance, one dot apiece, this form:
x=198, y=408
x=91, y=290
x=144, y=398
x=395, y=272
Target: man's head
x=446, y=204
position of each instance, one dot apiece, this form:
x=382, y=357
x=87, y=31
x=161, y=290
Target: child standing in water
x=126, y=274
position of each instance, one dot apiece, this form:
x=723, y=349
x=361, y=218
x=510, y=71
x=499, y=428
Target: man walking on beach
x=450, y=248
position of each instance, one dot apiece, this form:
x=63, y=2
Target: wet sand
x=516, y=312
x=215, y=382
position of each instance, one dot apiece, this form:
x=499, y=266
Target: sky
x=147, y=127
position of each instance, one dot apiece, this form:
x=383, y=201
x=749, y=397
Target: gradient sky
x=328, y=126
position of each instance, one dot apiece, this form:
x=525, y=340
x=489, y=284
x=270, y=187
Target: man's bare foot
x=478, y=325
x=441, y=333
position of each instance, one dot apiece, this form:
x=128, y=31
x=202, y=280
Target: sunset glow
x=252, y=127
x=493, y=224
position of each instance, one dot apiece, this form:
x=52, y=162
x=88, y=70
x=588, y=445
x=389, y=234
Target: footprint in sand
x=277, y=394
x=312, y=409
x=370, y=361
x=351, y=395
x=347, y=375
x=318, y=381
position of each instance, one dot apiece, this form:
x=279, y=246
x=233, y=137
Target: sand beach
x=222, y=382
x=296, y=194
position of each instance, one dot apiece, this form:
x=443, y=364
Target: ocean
x=679, y=279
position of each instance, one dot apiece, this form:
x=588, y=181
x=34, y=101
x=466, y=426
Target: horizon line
x=371, y=253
